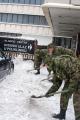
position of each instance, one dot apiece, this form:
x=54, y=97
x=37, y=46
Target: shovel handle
x=33, y=96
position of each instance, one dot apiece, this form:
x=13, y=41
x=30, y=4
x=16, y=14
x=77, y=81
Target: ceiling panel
x=75, y=2
x=65, y=19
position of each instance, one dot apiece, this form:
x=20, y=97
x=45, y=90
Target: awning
x=64, y=19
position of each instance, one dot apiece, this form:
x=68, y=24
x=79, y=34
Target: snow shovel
x=41, y=96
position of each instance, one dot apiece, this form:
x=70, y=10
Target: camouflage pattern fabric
x=38, y=56
x=43, y=56
x=66, y=67
x=76, y=101
x=58, y=50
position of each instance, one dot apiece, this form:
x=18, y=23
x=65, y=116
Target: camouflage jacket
x=42, y=56
x=65, y=67
x=57, y=52
x=39, y=57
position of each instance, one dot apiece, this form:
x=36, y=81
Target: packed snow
x=16, y=90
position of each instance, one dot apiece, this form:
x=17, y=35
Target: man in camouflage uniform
x=41, y=57
x=38, y=59
x=65, y=67
x=45, y=56
x=53, y=51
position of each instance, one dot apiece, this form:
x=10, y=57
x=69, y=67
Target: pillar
x=78, y=45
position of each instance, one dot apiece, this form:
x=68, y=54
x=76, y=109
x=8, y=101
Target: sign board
x=17, y=45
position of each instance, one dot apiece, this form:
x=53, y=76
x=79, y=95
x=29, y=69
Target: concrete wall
x=75, y=2
x=40, y=32
x=58, y=1
x=21, y=9
x=42, y=40
x=25, y=29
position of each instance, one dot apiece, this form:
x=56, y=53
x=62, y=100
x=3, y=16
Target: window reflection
x=37, y=2
x=61, y=41
x=23, y=19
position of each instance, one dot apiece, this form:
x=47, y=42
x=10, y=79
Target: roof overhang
x=64, y=19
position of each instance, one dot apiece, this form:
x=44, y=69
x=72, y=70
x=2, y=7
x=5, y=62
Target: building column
x=78, y=45
x=73, y=43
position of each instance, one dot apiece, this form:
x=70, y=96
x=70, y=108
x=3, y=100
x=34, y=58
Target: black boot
x=38, y=72
x=61, y=115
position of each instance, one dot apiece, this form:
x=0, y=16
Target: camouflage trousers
x=76, y=102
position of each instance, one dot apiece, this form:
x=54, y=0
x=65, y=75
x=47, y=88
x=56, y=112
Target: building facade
x=74, y=2
x=24, y=17
x=66, y=42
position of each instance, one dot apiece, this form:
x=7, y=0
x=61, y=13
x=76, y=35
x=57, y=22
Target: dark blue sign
x=17, y=45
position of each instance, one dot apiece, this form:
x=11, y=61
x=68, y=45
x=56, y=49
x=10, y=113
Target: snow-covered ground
x=15, y=95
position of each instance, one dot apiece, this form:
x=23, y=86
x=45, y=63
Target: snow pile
x=15, y=95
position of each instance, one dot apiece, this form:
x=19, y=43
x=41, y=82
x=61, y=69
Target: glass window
x=38, y=2
x=33, y=2
x=11, y=1
x=25, y=19
x=64, y=42
x=42, y=1
x=5, y=1
x=36, y=20
x=31, y=19
x=9, y=18
x=16, y=1
x=0, y=17
x=43, y=21
x=26, y=1
x=68, y=43
x=1, y=1
x=57, y=41
x=20, y=18
x=4, y=17
x=14, y=19
x=21, y=1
